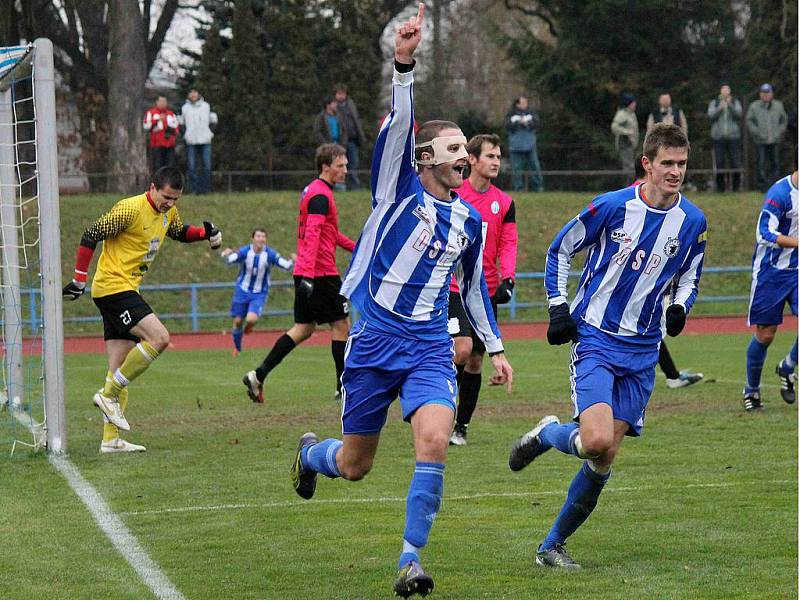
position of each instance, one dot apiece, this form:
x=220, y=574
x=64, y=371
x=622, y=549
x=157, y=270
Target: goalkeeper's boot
x=255, y=390
x=685, y=379
x=459, y=436
x=787, y=385
x=112, y=410
x=752, y=401
x=556, y=558
x=304, y=480
x=412, y=579
x=119, y=445
x=529, y=447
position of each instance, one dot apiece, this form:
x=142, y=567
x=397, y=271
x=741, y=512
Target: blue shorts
x=378, y=367
x=769, y=293
x=247, y=302
x=623, y=379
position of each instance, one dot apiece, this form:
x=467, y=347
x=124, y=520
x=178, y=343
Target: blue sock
x=561, y=437
x=422, y=504
x=790, y=362
x=581, y=500
x=756, y=353
x=321, y=457
x=237, y=339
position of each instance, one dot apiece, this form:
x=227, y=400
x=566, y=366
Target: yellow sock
x=110, y=431
x=136, y=363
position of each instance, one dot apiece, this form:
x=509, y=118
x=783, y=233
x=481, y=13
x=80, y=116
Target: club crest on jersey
x=672, y=246
x=462, y=239
x=495, y=207
x=619, y=236
x=422, y=215
x=165, y=219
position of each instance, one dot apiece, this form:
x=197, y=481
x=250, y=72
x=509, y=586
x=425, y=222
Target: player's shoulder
x=781, y=190
x=692, y=211
x=608, y=201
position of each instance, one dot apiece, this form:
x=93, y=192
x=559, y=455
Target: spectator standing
x=666, y=113
x=766, y=122
x=348, y=115
x=521, y=125
x=162, y=124
x=725, y=113
x=197, y=118
x=328, y=127
x=625, y=128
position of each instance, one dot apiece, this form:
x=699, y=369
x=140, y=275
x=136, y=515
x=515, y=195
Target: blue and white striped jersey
x=778, y=217
x=255, y=267
x=412, y=243
x=634, y=253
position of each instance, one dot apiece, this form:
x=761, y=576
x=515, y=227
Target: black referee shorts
x=121, y=312
x=326, y=305
x=458, y=324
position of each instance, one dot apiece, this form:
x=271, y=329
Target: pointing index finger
x=420, y=13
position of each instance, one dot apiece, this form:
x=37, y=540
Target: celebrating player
x=252, y=285
x=500, y=243
x=132, y=232
x=418, y=233
x=316, y=278
x=637, y=240
x=774, y=285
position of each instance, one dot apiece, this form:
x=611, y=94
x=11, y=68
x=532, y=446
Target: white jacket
x=197, y=117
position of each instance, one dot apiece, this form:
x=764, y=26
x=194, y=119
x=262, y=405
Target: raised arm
x=767, y=233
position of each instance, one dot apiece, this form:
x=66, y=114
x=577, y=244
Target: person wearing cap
x=766, y=122
x=625, y=128
x=725, y=114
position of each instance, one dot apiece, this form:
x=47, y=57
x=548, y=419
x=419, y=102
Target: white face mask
x=442, y=150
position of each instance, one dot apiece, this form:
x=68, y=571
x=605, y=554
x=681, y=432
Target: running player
x=774, y=285
x=252, y=285
x=132, y=232
x=638, y=240
x=316, y=279
x=500, y=244
x=418, y=233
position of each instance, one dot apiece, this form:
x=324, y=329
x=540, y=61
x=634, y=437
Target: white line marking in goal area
x=116, y=531
x=295, y=504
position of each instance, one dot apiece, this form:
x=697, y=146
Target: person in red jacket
x=162, y=124
x=500, y=244
x=316, y=278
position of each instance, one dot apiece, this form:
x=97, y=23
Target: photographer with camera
x=162, y=124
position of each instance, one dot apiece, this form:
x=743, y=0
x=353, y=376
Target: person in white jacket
x=197, y=118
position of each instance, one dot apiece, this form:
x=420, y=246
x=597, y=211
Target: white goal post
x=32, y=329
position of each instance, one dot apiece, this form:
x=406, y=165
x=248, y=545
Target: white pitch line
x=384, y=499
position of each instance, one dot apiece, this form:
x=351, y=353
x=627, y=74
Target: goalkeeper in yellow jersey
x=132, y=232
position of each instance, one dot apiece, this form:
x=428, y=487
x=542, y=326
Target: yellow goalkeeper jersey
x=132, y=232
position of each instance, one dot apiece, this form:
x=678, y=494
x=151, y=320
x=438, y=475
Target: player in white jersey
x=638, y=240
x=417, y=236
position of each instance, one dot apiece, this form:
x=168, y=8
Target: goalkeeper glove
x=73, y=290
x=306, y=287
x=562, y=328
x=676, y=319
x=213, y=235
x=503, y=292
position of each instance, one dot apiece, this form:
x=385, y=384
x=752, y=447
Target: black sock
x=459, y=374
x=468, y=396
x=282, y=347
x=666, y=364
x=337, y=349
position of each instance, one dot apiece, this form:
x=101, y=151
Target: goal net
x=31, y=346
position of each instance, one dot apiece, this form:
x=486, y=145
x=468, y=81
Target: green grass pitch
x=704, y=505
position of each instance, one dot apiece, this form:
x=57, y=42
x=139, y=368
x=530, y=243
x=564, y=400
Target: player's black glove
x=306, y=287
x=73, y=290
x=503, y=292
x=213, y=235
x=562, y=328
x=676, y=319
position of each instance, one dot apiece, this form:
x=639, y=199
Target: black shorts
x=121, y=312
x=326, y=305
x=458, y=323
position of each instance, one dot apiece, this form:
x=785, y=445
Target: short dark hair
x=256, y=230
x=664, y=135
x=428, y=131
x=327, y=153
x=327, y=100
x=476, y=142
x=168, y=176
x=340, y=87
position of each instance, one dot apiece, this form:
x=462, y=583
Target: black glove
x=73, y=290
x=562, y=328
x=213, y=235
x=503, y=292
x=676, y=319
x=306, y=287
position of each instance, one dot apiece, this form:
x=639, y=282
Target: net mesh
x=21, y=380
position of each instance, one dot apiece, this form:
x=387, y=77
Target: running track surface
x=511, y=331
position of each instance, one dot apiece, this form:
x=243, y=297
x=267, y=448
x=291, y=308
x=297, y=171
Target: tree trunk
x=127, y=73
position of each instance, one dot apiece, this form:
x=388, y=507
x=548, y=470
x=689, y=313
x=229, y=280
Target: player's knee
x=765, y=335
x=432, y=445
x=596, y=444
x=474, y=363
x=159, y=340
x=461, y=355
x=355, y=470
